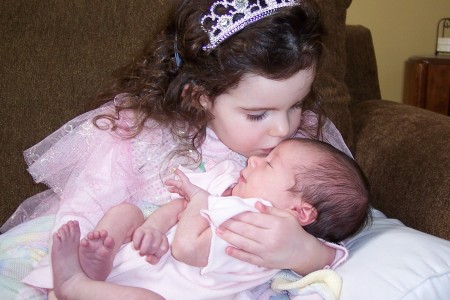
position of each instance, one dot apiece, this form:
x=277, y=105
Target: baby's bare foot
x=96, y=254
x=67, y=272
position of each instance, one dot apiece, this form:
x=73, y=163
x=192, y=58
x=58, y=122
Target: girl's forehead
x=299, y=80
x=261, y=91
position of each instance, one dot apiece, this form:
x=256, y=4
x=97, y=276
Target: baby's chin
x=236, y=191
x=229, y=191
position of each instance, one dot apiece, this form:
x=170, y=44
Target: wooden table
x=427, y=83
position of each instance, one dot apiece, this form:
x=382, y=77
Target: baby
x=309, y=181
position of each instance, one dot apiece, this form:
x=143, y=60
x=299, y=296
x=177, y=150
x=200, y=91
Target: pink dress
x=89, y=170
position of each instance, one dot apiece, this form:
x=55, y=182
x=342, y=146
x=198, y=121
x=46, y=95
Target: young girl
x=320, y=186
x=224, y=80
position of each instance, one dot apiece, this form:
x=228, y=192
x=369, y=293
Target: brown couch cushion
x=55, y=56
x=404, y=153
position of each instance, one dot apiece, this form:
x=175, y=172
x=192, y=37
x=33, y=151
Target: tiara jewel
x=226, y=17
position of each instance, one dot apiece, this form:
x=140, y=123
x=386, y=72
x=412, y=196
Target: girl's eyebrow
x=257, y=108
x=273, y=108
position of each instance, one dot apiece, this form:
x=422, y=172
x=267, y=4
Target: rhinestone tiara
x=238, y=14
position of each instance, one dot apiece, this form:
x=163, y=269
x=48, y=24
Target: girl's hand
x=150, y=242
x=274, y=239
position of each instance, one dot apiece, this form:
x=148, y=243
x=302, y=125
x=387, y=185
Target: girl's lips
x=266, y=151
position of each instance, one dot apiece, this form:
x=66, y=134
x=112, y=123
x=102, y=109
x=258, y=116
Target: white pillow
x=391, y=261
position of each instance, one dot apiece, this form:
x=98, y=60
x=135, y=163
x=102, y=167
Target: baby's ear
x=306, y=213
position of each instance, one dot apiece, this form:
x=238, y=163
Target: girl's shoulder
x=214, y=151
x=328, y=133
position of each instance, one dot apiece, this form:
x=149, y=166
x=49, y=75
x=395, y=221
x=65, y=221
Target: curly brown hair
x=275, y=47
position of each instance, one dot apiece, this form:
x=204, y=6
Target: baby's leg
x=69, y=280
x=98, y=249
x=65, y=261
x=96, y=253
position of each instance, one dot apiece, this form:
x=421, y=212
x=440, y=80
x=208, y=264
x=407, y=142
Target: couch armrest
x=404, y=152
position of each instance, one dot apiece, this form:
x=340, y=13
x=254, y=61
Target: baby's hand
x=151, y=243
x=183, y=186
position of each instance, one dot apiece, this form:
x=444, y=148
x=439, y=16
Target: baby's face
x=270, y=177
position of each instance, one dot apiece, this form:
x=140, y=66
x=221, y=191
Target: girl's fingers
x=248, y=223
x=241, y=235
x=244, y=249
x=270, y=210
x=264, y=239
x=244, y=256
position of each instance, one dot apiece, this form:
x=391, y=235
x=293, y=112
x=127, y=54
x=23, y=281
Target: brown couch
x=55, y=55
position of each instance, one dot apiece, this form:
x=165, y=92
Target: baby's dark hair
x=275, y=47
x=337, y=188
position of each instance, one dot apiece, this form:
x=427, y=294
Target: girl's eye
x=298, y=105
x=257, y=117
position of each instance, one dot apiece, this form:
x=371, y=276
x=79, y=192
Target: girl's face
x=259, y=113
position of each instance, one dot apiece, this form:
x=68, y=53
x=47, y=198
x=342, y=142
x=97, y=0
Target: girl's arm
x=192, y=240
x=274, y=239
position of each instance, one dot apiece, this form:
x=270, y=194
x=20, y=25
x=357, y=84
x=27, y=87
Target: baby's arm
x=193, y=236
x=150, y=238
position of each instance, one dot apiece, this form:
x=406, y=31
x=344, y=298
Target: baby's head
x=336, y=187
x=324, y=188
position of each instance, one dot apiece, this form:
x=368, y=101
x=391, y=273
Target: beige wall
x=400, y=29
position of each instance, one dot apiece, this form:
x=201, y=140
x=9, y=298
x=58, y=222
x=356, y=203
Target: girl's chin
x=260, y=153
x=265, y=152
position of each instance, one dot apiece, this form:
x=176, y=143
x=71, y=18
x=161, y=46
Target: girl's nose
x=280, y=127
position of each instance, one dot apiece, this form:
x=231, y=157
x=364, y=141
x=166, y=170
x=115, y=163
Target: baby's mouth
x=242, y=179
